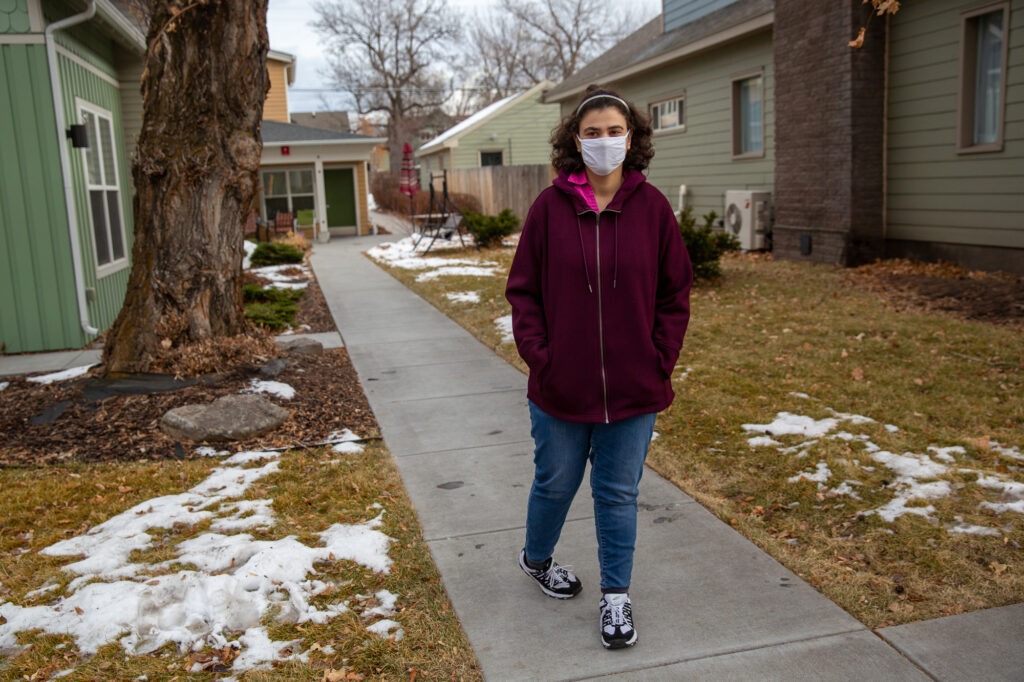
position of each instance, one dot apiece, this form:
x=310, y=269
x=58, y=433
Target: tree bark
x=196, y=177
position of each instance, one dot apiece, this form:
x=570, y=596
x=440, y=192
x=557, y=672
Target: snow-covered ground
x=917, y=477
x=234, y=581
x=409, y=254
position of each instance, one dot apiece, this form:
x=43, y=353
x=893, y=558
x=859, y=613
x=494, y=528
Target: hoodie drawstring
x=583, y=252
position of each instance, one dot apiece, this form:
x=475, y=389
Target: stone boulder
x=233, y=417
x=301, y=346
x=273, y=368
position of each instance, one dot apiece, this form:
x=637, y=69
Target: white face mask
x=602, y=155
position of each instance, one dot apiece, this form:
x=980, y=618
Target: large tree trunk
x=196, y=175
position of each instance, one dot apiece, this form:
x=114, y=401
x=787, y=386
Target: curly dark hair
x=564, y=155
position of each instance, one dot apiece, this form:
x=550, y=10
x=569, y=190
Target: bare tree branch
x=387, y=53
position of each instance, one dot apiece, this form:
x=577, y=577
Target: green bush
x=705, y=245
x=275, y=253
x=272, y=308
x=489, y=230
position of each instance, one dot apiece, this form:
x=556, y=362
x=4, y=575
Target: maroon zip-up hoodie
x=600, y=302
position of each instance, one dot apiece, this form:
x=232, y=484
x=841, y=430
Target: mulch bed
x=996, y=298
x=72, y=425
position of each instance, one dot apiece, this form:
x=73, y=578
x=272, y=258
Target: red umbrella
x=409, y=183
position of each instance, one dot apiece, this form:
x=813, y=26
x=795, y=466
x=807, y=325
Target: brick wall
x=828, y=132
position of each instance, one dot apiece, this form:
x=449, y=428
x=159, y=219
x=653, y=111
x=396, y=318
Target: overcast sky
x=289, y=24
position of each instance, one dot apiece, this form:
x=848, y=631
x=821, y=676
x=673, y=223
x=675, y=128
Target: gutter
x=65, y=162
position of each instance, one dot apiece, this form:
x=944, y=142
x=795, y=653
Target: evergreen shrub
x=705, y=245
x=489, y=230
x=275, y=253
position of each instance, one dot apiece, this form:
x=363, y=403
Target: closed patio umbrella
x=409, y=182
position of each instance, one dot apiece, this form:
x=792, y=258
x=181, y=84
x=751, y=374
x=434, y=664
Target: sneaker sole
x=619, y=643
x=553, y=595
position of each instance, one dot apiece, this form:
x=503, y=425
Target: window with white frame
x=668, y=114
x=101, y=180
x=748, y=115
x=287, y=191
x=983, y=59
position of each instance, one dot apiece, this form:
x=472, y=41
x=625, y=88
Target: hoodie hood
x=631, y=181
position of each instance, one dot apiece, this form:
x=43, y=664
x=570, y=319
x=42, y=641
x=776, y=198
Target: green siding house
x=510, y=132
x=911, y=146
x=69, y=109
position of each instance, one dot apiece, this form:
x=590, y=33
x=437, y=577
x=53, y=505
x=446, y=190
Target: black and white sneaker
x=617, y=631
x=554, y=580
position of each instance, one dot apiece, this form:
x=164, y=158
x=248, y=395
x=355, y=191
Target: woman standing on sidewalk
x=599, y=289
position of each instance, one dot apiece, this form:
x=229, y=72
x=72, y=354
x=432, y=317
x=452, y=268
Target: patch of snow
x=275, y=388
x=207, y=451
x=845, y=489
x=787, y=423
x=970, y=529
x=386, y=606
x=820, y=475
x=233, y=584
x=348, y=448
x=762, y=442
x=946, y=454
x=910, y=465
x=388, y=629
x=453, y=270
x=249, y=247
x=1012, y=452
x=908, y=491
x=464, y=296
x=504, y=325
x=4, y=384
x=72, y=373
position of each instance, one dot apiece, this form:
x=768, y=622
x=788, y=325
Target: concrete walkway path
x=709, y=605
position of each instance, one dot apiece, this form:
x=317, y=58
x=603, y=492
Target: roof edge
x=743, y=29
x=433, y=147
x=123, y=24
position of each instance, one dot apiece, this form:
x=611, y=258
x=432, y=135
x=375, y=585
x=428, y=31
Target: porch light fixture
x=78, y=133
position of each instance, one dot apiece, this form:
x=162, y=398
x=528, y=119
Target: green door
x=340, y=190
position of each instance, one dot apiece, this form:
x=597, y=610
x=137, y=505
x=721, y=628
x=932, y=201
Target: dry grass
x=313, y=490
x=773, y=337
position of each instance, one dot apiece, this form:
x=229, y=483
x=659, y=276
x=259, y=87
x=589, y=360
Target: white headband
x=591, y=99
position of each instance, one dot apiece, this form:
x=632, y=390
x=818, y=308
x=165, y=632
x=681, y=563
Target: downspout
x=65, y=162
x=885, y=136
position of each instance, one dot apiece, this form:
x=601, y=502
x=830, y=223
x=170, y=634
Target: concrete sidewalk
x=709, y=605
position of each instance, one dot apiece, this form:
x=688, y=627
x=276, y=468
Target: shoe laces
x=559, y=574
x=617, y=613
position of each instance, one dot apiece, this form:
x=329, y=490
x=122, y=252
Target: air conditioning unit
x=748, y=217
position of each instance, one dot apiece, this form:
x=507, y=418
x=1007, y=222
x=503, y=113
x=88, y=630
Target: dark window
x=491, y=158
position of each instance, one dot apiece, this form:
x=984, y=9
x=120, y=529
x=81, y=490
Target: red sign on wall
x=285, y=151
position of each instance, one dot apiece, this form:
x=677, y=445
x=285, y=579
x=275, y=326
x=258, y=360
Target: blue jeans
x=616, y=453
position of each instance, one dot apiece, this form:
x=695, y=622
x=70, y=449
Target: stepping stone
x=301, y=346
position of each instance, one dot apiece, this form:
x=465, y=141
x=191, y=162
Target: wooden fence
x=500, y=187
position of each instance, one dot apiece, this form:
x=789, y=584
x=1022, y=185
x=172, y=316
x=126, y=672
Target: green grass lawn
x=778, y=337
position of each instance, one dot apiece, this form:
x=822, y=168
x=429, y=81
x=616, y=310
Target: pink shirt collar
x=582, y=185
